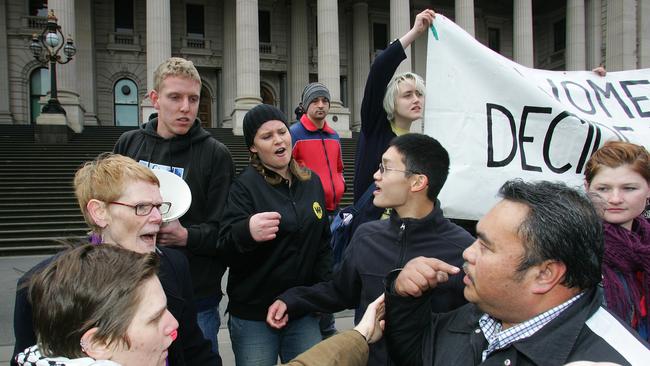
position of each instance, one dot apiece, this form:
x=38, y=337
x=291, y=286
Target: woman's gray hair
x=393, y=89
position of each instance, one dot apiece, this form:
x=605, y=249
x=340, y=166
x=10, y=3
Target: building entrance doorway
x=205, y=108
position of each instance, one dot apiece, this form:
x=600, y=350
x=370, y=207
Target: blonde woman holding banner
x=390, y=103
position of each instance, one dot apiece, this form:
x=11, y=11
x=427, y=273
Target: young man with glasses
x=410, y=176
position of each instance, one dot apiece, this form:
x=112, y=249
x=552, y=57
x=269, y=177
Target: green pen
x=435, y=33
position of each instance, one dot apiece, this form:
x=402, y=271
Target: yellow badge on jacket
x=317, y=210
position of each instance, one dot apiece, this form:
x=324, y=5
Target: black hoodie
x=207, y=167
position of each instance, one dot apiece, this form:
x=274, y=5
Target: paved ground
x=11, y=268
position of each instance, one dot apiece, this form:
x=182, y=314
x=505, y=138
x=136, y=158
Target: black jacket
x=190, y=348
x=207, y=168
x=584, y=331
x=377, y=248
x=376, y=132
x=299, y=255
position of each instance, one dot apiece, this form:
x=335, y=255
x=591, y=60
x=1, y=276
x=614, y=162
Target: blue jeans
x=254, y=343
x=209, y=320
x=327, y=325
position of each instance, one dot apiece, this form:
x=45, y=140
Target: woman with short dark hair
x=100, y=303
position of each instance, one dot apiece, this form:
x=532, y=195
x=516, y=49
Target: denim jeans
x=327, y=325
x=209, y=320
x=254, y=343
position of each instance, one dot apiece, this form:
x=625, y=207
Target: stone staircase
x=38, y=210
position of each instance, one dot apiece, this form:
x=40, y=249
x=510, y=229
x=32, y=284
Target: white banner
x=500, y=120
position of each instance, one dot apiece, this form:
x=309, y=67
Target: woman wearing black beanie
x=274, y=236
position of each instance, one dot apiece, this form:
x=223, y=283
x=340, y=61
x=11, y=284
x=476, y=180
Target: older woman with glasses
x=121, y=202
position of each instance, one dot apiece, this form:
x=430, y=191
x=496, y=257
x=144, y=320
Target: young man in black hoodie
x=410, y=176
x=174, y=140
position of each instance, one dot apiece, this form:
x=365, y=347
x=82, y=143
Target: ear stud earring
x=83, y=345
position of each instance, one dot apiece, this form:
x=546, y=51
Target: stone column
x=159, y=45
x=299, y=73
x=593, y=34
x=464, y=11
x=575, y=35
x=360, y=58
x=285, y=105
x=86, y=61
x=248, y=61
x=621, y=35
x=329, y=70
x=523, y=32
x=400, y=23
x=5, y=111
x=644, y=34
x=229, y=62
x=68, y=92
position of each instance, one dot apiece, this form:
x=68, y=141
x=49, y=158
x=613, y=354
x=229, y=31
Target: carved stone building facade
x=252, y=51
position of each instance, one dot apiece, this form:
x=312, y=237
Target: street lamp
x=46, y=49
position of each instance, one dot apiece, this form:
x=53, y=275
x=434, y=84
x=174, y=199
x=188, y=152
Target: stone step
x=36, y=168
x=60, y=197
x=31, y=246
x=45, y=232
x=36, y=184
x=20, y=159
x=27, y=219
x=36, y=190
x=32, y=209
x=37, y=177
x=70, y=224
x=76, y=147
x=38, y=174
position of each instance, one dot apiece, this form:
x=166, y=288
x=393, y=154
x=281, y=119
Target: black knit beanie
x=257, y=116
x=313, y=91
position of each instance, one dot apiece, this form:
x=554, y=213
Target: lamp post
x=46, y=49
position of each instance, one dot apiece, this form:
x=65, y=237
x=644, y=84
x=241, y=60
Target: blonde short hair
x=175, y=66
x=393, y=89
x=105, y=179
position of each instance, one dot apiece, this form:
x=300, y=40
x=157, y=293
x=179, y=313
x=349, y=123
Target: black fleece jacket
x=207, y=167
x=585, y=331
x=299, y=255
x=377, y=248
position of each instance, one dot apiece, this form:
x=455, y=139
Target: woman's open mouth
x=149, y=238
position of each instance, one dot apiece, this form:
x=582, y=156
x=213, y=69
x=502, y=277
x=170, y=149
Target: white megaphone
x=174, y=189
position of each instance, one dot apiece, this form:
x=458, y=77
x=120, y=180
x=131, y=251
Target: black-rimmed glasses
x=383, y=169
x=144, y=209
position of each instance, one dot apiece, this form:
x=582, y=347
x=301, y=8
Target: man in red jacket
x=317, y=146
